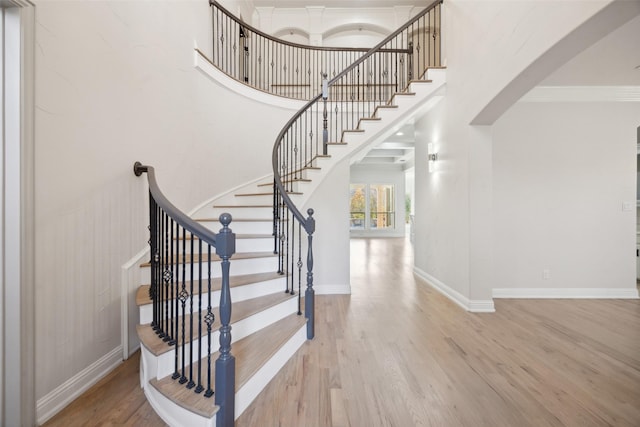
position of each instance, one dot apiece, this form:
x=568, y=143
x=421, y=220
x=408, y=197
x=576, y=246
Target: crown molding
x=583, y=94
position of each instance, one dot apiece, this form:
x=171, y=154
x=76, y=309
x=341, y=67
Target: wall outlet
x=627, y=206
x=546, y=274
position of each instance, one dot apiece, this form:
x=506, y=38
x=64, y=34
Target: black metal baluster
x=209, y=319
x=153, y=250
x=286, y=239
x=191, y=383
x=275, y=217
x=299, y=268
x=199, y=387
x=293, y=250
x=163, y=273
x=183, y=295
x=174, y=297
x=169, y=306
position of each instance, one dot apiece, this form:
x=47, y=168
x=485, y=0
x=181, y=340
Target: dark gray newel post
x=226, y=363
x=309, y=294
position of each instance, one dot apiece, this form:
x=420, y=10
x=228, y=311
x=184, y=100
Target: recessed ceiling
x=397, y=149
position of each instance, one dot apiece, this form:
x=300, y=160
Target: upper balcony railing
x=284, y=68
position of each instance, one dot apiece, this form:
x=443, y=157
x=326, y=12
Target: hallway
x=398, y=353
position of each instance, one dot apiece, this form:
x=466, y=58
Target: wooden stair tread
x=187, y=258
x=251, y=353
x=142, y=295
x=241, y=310
x=254, y=350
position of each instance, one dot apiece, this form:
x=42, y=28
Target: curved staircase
x=266, y=322
x=267, y=329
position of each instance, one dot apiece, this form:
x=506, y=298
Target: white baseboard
x=61, y=396
x=563, y=293
x=331, y=289
x=475, y=306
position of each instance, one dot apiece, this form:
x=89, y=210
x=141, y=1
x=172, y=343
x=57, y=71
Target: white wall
x=488, y=44
x=334, y=26
x=394, y=175
x=115, y=83
x=330, y=202
x=561, y=174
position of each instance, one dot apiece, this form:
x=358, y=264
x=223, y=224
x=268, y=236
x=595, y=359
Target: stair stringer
x=372, y=132
x=425, y=95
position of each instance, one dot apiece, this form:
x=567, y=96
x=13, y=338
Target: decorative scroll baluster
x=299, y=268
x=170, y=309
x=325, y=123
x=209, y=319
x=199, y=388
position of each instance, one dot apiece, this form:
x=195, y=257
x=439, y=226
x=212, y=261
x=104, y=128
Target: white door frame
x=17, y=244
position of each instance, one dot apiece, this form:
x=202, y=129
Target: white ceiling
x=398, y=149
x=612, y=61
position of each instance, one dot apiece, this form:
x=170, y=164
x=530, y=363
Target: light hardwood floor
x=397, y=353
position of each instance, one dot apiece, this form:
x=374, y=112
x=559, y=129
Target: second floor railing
x=294, y=70
x=187, y=262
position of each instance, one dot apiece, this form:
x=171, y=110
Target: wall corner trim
x=61, y=396
x=474, y=306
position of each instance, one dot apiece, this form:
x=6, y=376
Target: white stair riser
x=238, y=293
x=238, y=267
x=261, y=244
x=244, y=227
x=261, y=199
x=241, y=212
x=165, y=363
